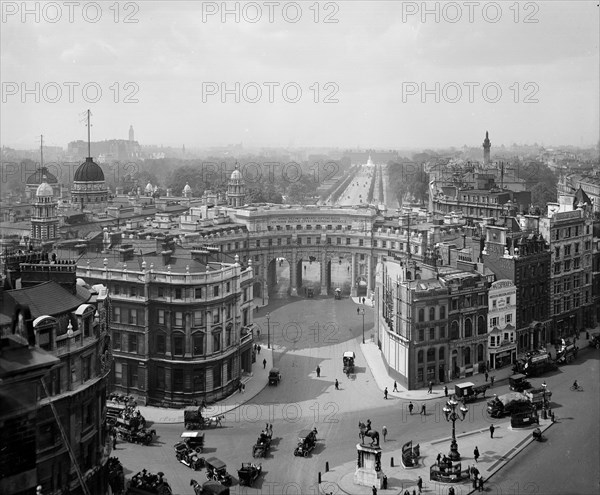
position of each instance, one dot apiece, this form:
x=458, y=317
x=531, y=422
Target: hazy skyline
x=373, y=61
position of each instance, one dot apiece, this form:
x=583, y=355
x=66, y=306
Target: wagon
x=194, y=440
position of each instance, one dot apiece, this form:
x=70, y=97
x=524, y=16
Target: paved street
x=306, y=333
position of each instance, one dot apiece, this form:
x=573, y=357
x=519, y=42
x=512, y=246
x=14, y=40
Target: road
x=568, y=462
x=307, y=333
x=357, y=191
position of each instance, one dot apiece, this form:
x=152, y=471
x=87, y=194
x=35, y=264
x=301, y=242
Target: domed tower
x=44, y=221
x=149, y=189
x=236, y=189
x=187, y=191
x=487, y=145
x=89, y=189
x=35, y=179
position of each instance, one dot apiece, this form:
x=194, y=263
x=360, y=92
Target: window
x=161, y=343
x=468, y=328
x=257, y=242
x=421, y=314
x=432, y=333
x=576, y=263
x=576, y=248
x=133, y=316
x=228, y=333
x=198, y=378
x=347, y=241
x=576, y=281
x=568, y=250
x=216, y=341
x=431, y=313
x=45, y=436
x=361, y=242
x=178, y=345
x=160, y=317
x=454, y=330
x=421, y=334
x=133, y=291
x=160, y=378
x=329, y=240
x=216, y=316
x=443, y=332
x=216, y=291
x=87, y=414
x=508, y=318
x=198, y=340
x=481, y=326
x=442, y=312
x=431, y=354
x=117, y=341
x=455, y=303
x=420, y=357
x=177, y=380
x=494, y=321
x=492, y=341
x=161, y=292
x=217, y=379
x=230, y=369
x=117, y=314
x=86, y=367
x=557, y=267
x=118, y=373
x=133, y=375
x=178, y=293
x=228, y=287
x=557, y=286
x=178, y=319
x=133, y=343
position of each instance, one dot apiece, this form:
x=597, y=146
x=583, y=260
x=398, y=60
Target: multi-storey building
x=432, y=328
x=596, y=271
x=571, y=278
x=69, y=322
x=181, y=323
x=502, y=315
x=517, y=252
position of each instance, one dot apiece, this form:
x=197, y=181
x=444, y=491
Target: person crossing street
x=264, y=363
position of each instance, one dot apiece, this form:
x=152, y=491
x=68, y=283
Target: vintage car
x=209, y=488
x=130, y=430
x=274, y=376
x=194, y=440
x=188, y=456
x=518, y=383
x=262, y=445
x=216, y=470
x=595, y=340
x=145, y=483
x=307, y=441
x=249, y=473
x=348, y=360
x=114, y=410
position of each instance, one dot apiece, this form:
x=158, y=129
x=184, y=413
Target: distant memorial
x=368, y=468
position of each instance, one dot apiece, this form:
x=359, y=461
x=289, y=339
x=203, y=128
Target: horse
x=197, y=487
x=216, y=420
x=365, y=432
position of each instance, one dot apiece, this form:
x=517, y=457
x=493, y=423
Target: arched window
x=441, y=354
x=468, y=328
x=481, y=325
x=467, y=355
x=432, y=313
x=420, y=357
x=421, y=314
x=431, y=354
x=454, y=330
x=480, y=352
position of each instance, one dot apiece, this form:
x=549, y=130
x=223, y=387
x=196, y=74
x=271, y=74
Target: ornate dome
x=44, y=189
x=236, y=175
x=187, y=188
x=40, y=175
x=149, y=188
x=89, y=171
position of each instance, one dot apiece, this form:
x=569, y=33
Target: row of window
x=308, y=227
x=442, y=313
x=130, y=342
x=567, y=232
x=200, y=317
x=174, y=292
x=497, y=340
x=495, y=321
x=564, y=304
x=441, y=353
x=566, y=266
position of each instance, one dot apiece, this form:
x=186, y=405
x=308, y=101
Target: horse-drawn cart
x=249, y=473
x=348, y=360
x=131, y=431
x=469, y=392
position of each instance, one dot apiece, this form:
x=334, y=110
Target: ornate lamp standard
x=451, y=415
x=362, y=312
x=545, y=403
x=268, y=331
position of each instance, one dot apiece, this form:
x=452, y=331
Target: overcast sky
x=366, y=71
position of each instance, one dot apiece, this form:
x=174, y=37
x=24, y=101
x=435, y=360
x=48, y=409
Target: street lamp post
x=545, y=403
x=451, y=415
x=362, y=312
x=268, y=331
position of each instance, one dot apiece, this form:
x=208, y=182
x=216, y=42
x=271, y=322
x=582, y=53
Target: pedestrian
x=492, y=378
x=115, y=441
x=480, y=483
x=475, y=483
x=384, y=432
x=374, y=490
x=243, y=387
x=486, y=376
x=318, y=371
x=439, y=458
x=430, y=387
x=385, y=393
x=423, y=411
x=264, y=363
x=258, y=334
x=476, y=453
x=337, y=384
x=420, y=484
x=446, y=390
x=357, y=311
x=451, y=491
x=258, y=348
x=395, y=386
x=410, y=408
x=364, y=300
x=492, y=431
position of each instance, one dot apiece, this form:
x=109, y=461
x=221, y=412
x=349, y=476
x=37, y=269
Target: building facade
x=502, y=315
